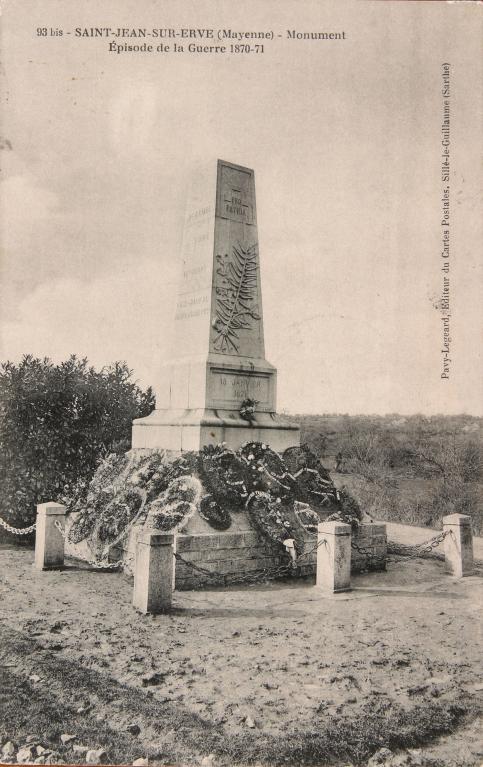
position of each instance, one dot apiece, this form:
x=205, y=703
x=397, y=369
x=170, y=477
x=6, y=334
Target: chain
x=61, y=529
x=326, y=544
x=311, y=551
x=129, y=556
x=17, y=530
x=99, y=565
x=371, y=558
x=426, y=547
x=403, y=550
x=256, y=576
x=102, y=564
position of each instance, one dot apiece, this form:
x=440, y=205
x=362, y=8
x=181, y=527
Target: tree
x=56, y=422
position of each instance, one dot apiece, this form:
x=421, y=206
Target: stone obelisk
x=218, y=358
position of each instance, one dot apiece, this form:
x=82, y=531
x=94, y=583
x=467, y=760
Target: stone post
x=458, y=545
x=334, y=557
x=153, y=575
x=49, y=541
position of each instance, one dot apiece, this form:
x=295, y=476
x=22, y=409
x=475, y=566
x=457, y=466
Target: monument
x=217, y=385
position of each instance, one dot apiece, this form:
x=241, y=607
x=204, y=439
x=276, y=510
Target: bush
x=56, y=422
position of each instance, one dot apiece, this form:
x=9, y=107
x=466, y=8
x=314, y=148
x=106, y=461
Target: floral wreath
x=247, y=408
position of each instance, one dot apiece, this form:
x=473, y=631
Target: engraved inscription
x=235, y=205
x=194, y=272
x=241, y=388
x=194, y=313
x=194, y=279
x=230, y=389
x=236, y=199
x=196, y=215
x=191, y=307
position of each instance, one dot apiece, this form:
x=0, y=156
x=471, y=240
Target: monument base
x=183, y=430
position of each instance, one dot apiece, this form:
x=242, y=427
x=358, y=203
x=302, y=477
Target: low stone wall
x=238, y=553
x=246, y=551
x=242, y=551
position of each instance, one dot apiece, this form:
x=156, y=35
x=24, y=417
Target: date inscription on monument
x=229, y=388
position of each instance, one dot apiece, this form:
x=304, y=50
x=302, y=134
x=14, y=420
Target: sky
x=345, y=140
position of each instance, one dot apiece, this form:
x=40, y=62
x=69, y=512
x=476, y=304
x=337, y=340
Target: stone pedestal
x=334, y=557
x=218, y=355
x=458, y=545
x=153, y=575
x=49, y=542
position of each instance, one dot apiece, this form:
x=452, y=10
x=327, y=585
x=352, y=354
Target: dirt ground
x=260, y=659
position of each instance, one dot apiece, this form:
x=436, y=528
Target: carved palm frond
x=235, y=297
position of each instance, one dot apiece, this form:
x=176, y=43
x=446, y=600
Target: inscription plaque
x=230, y=388
x=236, y=194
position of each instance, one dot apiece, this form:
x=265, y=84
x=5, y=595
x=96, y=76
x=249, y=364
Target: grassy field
x=413, y=469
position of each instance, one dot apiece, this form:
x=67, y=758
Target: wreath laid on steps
x=307, y=517
x=176, y=504
x=216, y=516
x=248, y=408
x=314, y=484
x=224, y=476
x=271, y=519
x=117, y=515
x=284, y=496
x=349, y=511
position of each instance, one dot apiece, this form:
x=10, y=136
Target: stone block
x=184, y=543
x=237, y=565
x=306, y=570
x=200, y=542
x=380, y=549
x=377, y=540
x=153, y=576
x=222, y=554
x=49, y=541
x=334, y=557
x=195, y=556
x=381, y=529
x=207, y=564
x=458, y=545
x=187, y=586
x=230, y=552
x=238, y=540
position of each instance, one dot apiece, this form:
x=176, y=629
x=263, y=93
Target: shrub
x=56, y=422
